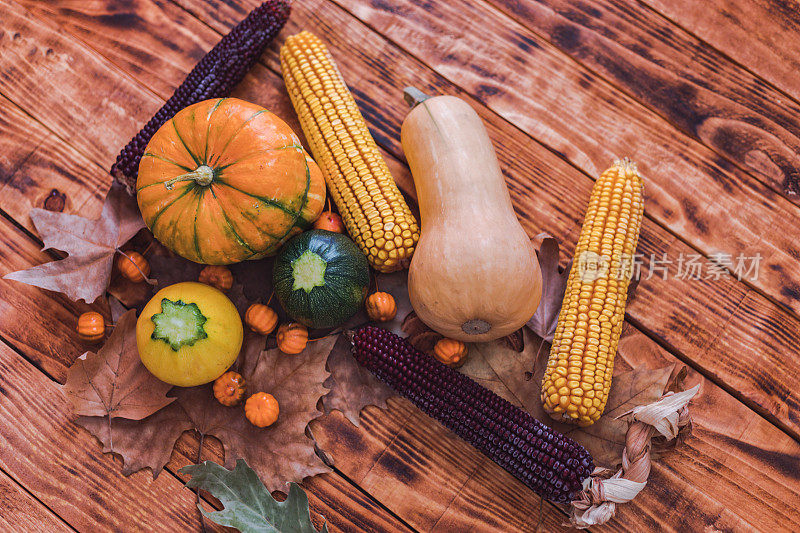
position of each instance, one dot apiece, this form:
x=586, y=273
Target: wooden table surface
x=705, y=96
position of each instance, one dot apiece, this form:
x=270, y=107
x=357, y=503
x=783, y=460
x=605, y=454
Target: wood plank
x=132, y=49
x=51, y=349
x=39, y=170
x=22, y=512
x=689, y=189
x=41, y=75
x=550, y=195
x=60, y=463
x=759, y=34
x=408, y=461
x=698, y=89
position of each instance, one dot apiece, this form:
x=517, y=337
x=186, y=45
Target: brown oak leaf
x=640, y=377
x=554, y=285
x=352, y=387
x=279, y=453
x=113, y=382
x=91, y=244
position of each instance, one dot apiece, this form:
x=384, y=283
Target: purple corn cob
x=214, y=76
x=549, y=463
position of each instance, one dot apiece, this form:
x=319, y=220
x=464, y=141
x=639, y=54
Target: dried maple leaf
x=554, y=285
x=143, y=443
x=113, y=382
x=352, y=387
x=279, y=453
x=91, y=245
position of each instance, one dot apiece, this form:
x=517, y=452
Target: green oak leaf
x=248, y=505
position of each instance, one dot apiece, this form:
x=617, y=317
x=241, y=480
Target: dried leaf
x=517, y=377
x=91, y=245
x=143, y=443
x=514, y=341
x=279, y=453
x=554, y=285
x=113, y=382
x=248, y=505
x=352, y=387
x=605, y=439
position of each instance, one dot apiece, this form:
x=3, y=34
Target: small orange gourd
x=261, y=409
x=229, y=388
x=261, y=318
x=292, y=338
x=329, y=221
x=91, y=326
x=216, y=276
x=133, y=266
x=450, y=352
x=381, y=307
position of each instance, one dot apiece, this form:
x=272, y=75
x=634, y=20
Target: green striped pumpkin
x=226, y=180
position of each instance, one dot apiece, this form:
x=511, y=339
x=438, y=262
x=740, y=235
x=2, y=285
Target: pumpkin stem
x=414, y=96
x=202, y=175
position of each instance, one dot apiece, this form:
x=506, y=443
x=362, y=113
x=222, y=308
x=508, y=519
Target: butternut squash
x=474, y=276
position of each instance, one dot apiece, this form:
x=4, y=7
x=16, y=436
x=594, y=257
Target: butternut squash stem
x=414, y=96
x=202, y=175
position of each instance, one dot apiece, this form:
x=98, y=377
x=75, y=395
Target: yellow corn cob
x=372, y=207
x=578, y=375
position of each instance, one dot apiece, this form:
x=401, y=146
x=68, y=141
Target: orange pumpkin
x=450, y=352
x=330, y=221
x=91, y=326
x=229, y=388
x=292, y=338
x=217, y=276
x=261, y=318
x=226, y=180
x=133, y=266
x=381, y=307
x=261, y=409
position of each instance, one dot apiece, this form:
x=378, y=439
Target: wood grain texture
x=40, y=69
x=695, y=87
x=21, y=306
x=688, y=188
x=59, y=463
x=23, y=513
x=39, y=170
x=550, y=195
x=759, y=34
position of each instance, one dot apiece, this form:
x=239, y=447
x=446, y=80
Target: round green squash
x=321, y=278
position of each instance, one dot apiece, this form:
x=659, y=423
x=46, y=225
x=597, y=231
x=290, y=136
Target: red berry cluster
x=214, y=76
x=549, y=463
